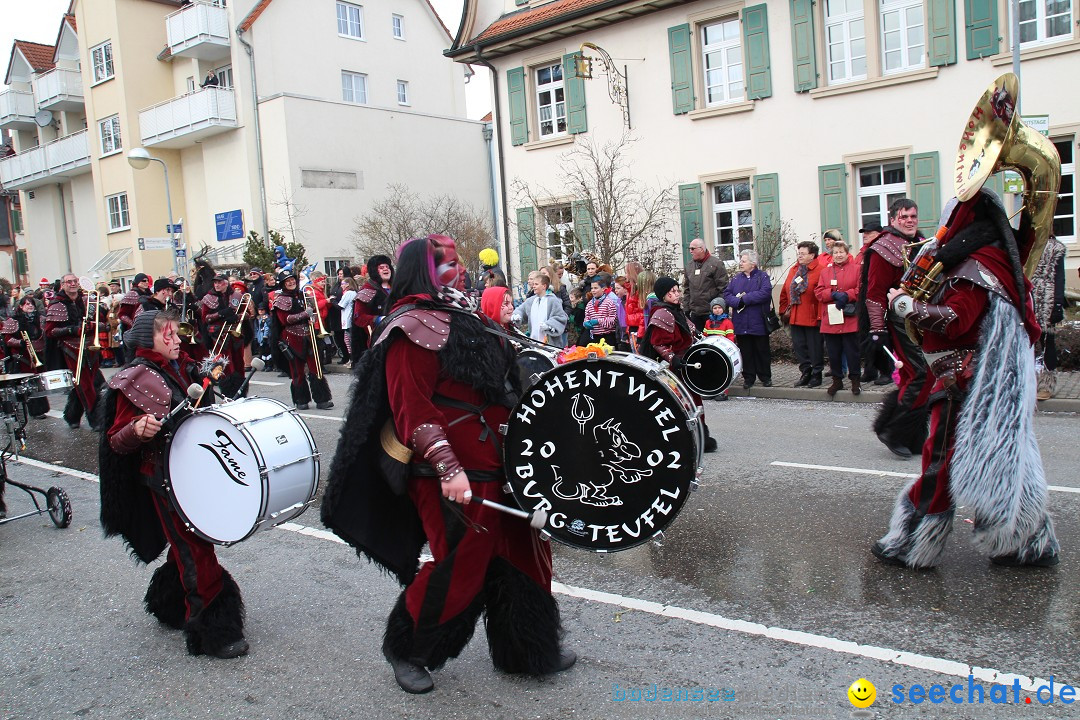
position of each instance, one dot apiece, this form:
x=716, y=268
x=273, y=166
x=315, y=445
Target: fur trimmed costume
x=291, y=319
x=63, y=327
x=435, y=378
x=981, y=452
x=216, y=310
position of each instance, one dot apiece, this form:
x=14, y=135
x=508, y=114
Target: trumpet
x=312, y=306
x=35, y=361
x=234, y=329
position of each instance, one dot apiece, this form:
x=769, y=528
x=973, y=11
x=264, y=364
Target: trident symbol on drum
x=582, y=417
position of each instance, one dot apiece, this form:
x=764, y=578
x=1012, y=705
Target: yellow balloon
x=862, y=693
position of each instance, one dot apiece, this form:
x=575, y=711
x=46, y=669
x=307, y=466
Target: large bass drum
x=241, y=467
x=609, y=447
x=718, y=362
x=533, y=362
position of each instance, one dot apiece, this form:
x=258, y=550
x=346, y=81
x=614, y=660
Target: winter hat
x=718, y=301
x=373, y=264
x=141, y=334
x=163, y=283
x=489, y=257
x=140, y=278
x=663, y=286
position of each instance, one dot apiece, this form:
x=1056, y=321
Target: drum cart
x=14, y=391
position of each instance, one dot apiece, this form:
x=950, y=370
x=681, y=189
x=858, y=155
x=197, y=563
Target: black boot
x=219, y=629
x=411, y=676
x=524, y=630
x=710, y=441
x=165, y=596
x=320, y=392
x=815, y=379
x=804, y=379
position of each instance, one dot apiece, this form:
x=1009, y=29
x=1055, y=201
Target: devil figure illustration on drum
x=297, y=332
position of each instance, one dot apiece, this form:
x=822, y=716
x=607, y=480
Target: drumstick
x=194, y=392
x=896, y=363
x=537, y=519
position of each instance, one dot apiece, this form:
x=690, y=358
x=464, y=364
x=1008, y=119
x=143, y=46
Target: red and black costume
x=215, y=311
x=901, y=421
x=63, y=328
x=130, y=303
x=369, y=304
x=981, y=453
x=190, y=591
x=293, y=321
x=18, y=358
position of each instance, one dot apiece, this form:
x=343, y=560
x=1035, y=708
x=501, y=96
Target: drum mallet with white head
x=537, y=519
x=896, y=363
x=257, y=364
x=194, y=392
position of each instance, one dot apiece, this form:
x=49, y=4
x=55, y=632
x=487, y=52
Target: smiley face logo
x=862, y=693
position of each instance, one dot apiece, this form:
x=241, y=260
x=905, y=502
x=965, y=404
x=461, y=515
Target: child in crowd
x=719, y=323
x=262, y=338
x=575, y=328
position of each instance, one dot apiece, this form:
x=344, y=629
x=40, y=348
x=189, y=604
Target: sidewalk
x=785, y=374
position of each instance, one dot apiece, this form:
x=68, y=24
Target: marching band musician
x=27, y=320
x=981, y=454
x=438, y=381
x=668, y=336
x=65, y=330
x=217, y=309
x=370, y=302
x=294, y=325
x=133, y=300
x=190, y=591
x=164, y=288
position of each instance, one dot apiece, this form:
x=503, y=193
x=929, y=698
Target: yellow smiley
x=862, y=693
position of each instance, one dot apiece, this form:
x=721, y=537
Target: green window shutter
x=576, y=121
x=766, y=191
x=803, y=53
x=941, y=32
x=923, y=172
x=526, y=222
x=981, y=28
x=755, y=22
x=689, y=217
x=515, y=88
x=16, y=222
x=682, y=68
x=832, y=185
x=21, y=266
x=583, y=224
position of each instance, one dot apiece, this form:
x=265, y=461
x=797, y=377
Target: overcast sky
x=39, y=21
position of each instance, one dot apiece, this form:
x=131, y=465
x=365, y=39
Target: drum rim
x=703, y=348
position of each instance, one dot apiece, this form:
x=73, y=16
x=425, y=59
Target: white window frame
x=346, y=23
x=721, y=50
x=741, y=224
x=559, y=231
x=332, y=265
x=1039, y=21
x=402, y=92
x=117, y=211
x=224, y=76
x=902, y=9
x=106, y=64
x=352, y=88
x=109, y=135
x=397, y=26
x=886, y=193
x=844, y=21
x=554, y=87
x=1068, y=170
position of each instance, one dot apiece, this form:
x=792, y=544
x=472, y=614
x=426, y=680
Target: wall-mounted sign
x=1039, y=123
x=230, y=225
x=155, y=243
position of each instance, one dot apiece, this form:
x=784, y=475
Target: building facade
x=818, y=114
x=351, y=97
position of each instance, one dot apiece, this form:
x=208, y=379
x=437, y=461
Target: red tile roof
x=39, y=55
x=524, y=19
x=71, y=21
x=486, y=118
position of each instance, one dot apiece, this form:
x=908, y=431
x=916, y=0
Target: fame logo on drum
x=222, y=450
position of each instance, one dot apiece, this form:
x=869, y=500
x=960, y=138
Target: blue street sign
x=181, y=252
x=177, y=228
x=230, y=225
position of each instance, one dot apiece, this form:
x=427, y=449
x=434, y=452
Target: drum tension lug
x=503, y=428
x=545, y=536
x=658, y=538
x=694, y=485
x=507, y=488
x=534, y=378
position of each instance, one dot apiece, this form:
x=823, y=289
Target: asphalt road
x=762, y=598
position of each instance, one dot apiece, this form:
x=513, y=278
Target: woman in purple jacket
x=749, y=295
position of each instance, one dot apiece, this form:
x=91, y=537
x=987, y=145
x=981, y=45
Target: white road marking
x=886, y=473
x=265, y=382
x=322, y=417
x=943, y=666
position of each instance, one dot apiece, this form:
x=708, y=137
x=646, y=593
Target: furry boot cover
x=300, y=393
x=165, y=596
x=320, y=389
x=896, y=425
x=920, y=546
x=434, y=648
x=220, y=623
x=398, y=636
x=997, y=472
x=522, y=621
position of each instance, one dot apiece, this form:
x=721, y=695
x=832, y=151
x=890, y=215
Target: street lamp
x=140, y=158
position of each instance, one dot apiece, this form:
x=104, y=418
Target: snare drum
x=720, y=362
x=241, y=467
x=609, y=447
x=53, y=382
x=534, y=362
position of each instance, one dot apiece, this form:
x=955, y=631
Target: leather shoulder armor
x=890, y=248
x=366, y=294
x=57, y=313
x=425, y=328
x=10, y=326
x=662, y=318
x=146, y=389
x=209, y=301
x=978, y=274
x=130, y=298
x=283, y=302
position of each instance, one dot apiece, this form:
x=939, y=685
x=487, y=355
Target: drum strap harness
x=486, y=434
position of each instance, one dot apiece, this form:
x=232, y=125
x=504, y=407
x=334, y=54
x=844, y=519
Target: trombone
x=91, y=299
x=309, y=293
x=35, y=361
x=235, y=329
x=312, y=306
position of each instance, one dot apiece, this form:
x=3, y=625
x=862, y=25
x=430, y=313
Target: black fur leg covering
x=73, y=410
x=398, y=636
x=886, y=412
x=165, y=596
x=320, y=389
x=220, y=623
x=899, y=425
x=522, y=621
x=434, y=647
x=300, y=394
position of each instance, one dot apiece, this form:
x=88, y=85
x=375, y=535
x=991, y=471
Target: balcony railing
x=59, y=89
x=182, y=121
x=17, y=109
x=200, y=30
x=65, y=157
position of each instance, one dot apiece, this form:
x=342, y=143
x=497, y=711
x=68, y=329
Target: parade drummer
x=190, y=591
x=294, y=325
x=64, y=331
x=19, y=359
x=436, y=380
x=669, y=335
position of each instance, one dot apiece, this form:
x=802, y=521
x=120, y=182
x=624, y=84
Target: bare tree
x=293, y=212
x=402, y=214
x=624, y=218
x=773, y=238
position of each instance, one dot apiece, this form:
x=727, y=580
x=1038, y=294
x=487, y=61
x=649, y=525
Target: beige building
x=816, y=113
x=352, y=97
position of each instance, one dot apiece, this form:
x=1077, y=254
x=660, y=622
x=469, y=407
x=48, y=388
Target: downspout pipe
x=64, y=226
x=258, y=132
x=502, y=161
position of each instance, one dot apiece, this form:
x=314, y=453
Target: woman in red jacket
x=837, y=289
x=801, y=312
